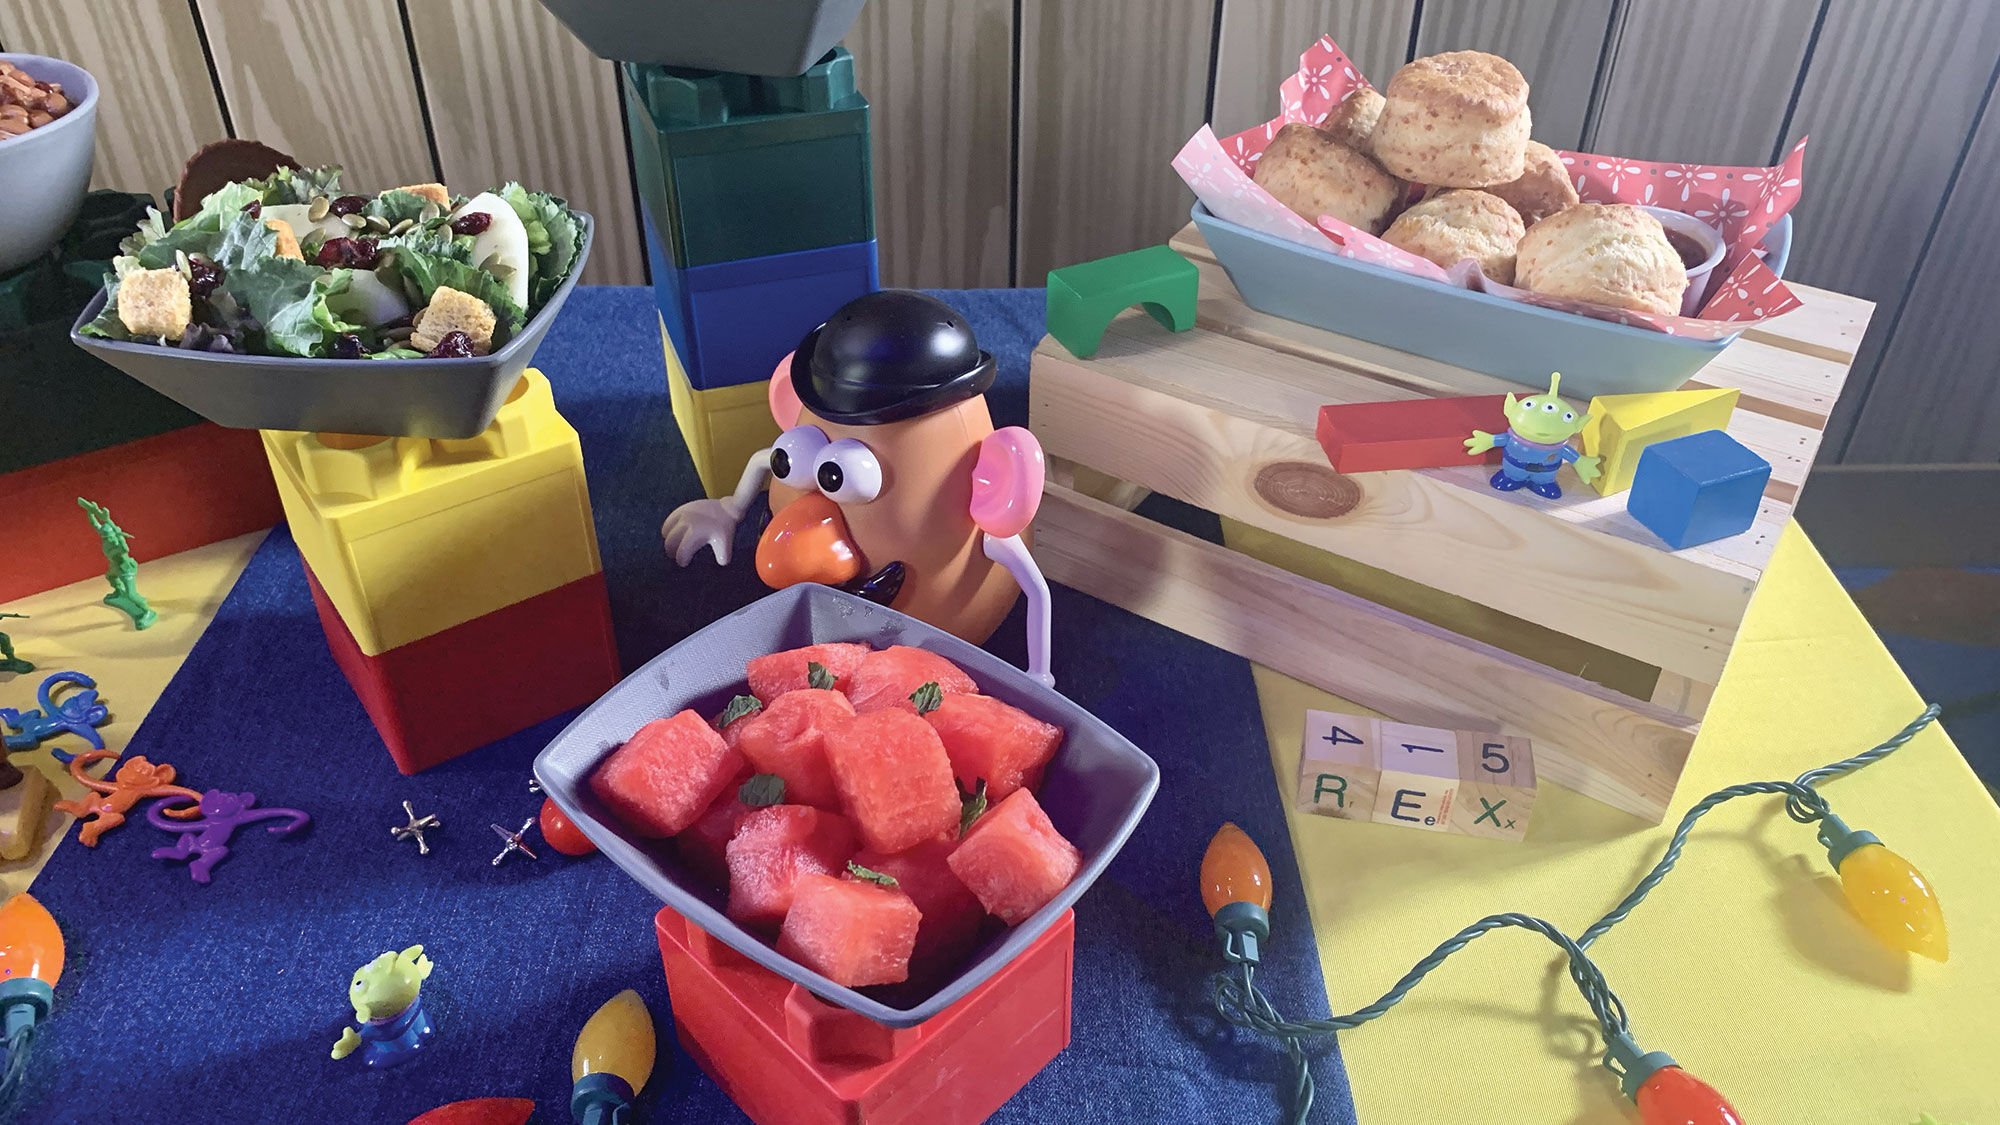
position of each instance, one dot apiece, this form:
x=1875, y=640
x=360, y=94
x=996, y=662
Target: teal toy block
x=1697, y=489
x=1084, y=297
x=735, y=166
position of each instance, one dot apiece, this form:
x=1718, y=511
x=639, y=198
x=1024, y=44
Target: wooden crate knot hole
x=1301, y=488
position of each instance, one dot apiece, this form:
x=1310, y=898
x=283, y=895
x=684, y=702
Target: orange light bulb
x=1894, y=901
x=31, y=945
x=1234, y=870
x=1672, y=1096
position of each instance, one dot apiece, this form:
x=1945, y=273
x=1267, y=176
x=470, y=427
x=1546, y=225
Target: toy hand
x=1479, y=442
x=697, y=524
x=349, y=1040
x=1587, y=469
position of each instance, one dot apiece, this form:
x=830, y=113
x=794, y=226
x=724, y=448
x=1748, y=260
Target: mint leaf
x=928, y=698
x=971, y=806
x=817, y=676
x=738, y=707
x=762, y=791
x=865, y=875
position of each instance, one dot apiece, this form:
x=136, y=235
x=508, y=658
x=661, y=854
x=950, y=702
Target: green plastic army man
x=123, y=572
x=8, y=661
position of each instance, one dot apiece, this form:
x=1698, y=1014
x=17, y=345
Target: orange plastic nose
x=807, y=542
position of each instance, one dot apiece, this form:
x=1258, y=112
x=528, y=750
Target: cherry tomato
x=561, y=834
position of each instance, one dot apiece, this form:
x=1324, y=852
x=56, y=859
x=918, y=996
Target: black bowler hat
x=888, y=356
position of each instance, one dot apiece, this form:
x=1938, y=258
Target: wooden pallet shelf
x=1222, y=418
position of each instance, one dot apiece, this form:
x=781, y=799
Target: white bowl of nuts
x=48, y=137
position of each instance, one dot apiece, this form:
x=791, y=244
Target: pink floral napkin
x=1741, y=203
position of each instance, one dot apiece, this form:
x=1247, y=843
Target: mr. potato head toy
x=889, y=480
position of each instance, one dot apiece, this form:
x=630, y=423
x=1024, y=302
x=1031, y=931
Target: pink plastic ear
x=1007, y=482
x=785, y=404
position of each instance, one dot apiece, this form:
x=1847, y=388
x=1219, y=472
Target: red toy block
x=789, y=1058
x=457, y=690
x=174, y=491
x=1422, y=433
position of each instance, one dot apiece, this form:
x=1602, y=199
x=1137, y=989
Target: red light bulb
x=1672, y=1096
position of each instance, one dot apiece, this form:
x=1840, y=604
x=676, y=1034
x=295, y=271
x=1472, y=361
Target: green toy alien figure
x=123, y=572
x=1535, y=445
x=8, y=661
x=386, y=994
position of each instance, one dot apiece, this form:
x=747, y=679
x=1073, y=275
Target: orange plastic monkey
x=137, y=780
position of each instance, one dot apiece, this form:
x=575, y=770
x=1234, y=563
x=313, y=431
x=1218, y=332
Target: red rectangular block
x=174, y=491
x=457, y=690
x=1424, y=433
x=788, y=1058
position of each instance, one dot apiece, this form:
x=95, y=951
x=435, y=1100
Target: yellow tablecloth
x=1745, y=964
x=70, y=627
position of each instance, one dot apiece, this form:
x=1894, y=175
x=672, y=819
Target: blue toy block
x=1697, y=489
x=732, y=322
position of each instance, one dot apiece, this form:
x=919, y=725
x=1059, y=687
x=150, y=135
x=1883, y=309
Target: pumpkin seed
x=354, y=222
x=378, y=224
x=386, y=259
x=181, y=264
x=399, y=334
x=430, y=211
x=413, y=291
x=399, y=228
x=319, y=207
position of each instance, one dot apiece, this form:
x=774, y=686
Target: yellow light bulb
x=1894, y=901
x=617, y=1039
x=1234, y=870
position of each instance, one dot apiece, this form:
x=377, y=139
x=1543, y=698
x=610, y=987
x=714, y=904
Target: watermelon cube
x=991, y=741
x=772, y=848
x=774, y=675
x=1014, y=859
x=894, y=779
x=952, y=914
x=703, y=845
x=850, y=932
x=886, y=678
x=666, y=774
x=789, y=739
x=733, y=733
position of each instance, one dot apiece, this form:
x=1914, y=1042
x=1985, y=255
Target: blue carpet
x=220, y=1003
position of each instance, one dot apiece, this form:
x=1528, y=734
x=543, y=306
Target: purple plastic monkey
x=206, y=840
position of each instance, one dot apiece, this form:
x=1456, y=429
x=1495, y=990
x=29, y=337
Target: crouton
x=155, y=303
x=433, y=192
x=452, y=311
x=288, y=243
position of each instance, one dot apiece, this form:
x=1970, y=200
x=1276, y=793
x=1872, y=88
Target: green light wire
x=1238, y=999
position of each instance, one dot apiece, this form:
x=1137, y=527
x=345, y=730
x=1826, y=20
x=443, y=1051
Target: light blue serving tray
x=1508, y=339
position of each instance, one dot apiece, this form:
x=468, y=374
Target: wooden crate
x=1424, y=594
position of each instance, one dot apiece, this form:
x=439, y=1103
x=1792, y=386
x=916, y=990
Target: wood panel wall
x=1011, y=136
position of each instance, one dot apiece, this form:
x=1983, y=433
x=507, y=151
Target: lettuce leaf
x=106, y=325
x=395, y=351
x=395, y=206
x=289, y=185
x=307, y=325
x=554, y=236
x=432, y=259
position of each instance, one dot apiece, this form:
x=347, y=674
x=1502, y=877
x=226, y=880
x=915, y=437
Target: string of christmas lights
x=1889, y=896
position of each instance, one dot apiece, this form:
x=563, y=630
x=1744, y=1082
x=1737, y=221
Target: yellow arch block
x=1622, y=426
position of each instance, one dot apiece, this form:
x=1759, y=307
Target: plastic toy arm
x=712, y=523
x=1481, y=441
x=1012, y=553
x=1588, y=468
x=349, y=1039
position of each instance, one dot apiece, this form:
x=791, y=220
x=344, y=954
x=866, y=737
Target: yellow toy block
x=1419, y=776
x=1496, y=786
x=24, y=812
x=723, y=426
x=411, y=536
x=1622, y=426
x=1339, y=766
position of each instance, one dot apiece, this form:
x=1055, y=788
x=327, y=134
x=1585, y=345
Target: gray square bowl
x=779, y=38
x=431, y=398
x=1095, y=789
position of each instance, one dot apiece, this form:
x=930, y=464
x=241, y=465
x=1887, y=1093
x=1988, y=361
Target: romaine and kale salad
x=346, y=276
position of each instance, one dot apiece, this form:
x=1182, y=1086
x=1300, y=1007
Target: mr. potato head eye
x=795, y=456
x=848, y=472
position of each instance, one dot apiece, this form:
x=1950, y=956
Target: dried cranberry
x=255, y=208
x=348, y=346
x=455, y=345
x=349, y=253
x=472, y=222
x=203, y=277
x=347, y=205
